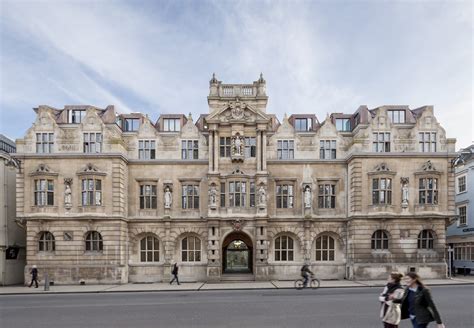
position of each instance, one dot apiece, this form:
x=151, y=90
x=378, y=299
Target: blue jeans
x=418, y=325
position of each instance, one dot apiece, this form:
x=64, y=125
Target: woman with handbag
x=417, y=303
x=391, y=298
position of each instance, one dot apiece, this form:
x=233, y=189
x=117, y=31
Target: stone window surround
x=147, y=181
x=326, y=250
x=384, y=145
x=238, y=177
x=41, y=142
x=90, y=173
x=153, y=250
x=47, y=238
x=189, y=181
x=92, y=145
x=381, y=175
x=93, y=238
x=285, y=181
x=429, y=238
x=188, y=250
x=44, y=173
x=325, y=180
x=384, y=237
x=287, y=251
x=150, y=150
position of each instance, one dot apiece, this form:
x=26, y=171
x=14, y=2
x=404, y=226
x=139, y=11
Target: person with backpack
x=34, y=276
x=305, y=272
x=174, y=272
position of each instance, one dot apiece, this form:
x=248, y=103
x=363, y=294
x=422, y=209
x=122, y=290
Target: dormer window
x=131, y=124
x=75, y=116
x=303, y=124
x=397, y=116
x=171, y=124
x=343, y=124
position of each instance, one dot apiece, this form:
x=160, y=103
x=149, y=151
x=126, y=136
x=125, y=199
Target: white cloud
x=316, y=57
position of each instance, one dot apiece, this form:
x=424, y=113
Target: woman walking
x=391, y=298
x=417, y=303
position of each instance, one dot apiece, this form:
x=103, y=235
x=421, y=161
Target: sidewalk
x=203, y=286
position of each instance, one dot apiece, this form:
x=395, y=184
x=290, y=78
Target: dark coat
x=175, y=270
x=34, y=272
x=425, y=309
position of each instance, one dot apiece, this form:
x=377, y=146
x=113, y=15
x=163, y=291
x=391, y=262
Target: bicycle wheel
x=315, y=283
x=299, y=284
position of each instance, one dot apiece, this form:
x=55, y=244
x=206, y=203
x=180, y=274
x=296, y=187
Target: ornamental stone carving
x=307, y=197
x=168, y=197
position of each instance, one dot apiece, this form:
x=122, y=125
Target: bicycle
x=312, y=282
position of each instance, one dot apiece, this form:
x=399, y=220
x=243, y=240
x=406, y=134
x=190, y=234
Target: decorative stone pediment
x=146, y=129
x=190, y=130
x=285, y=129
x=90, y=169
x=92, y=121
x=382, y=168
x=237, y=111
x=43, y=170
x=327, y=129
x=428, y=168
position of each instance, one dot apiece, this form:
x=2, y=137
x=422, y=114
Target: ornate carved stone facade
x=113, y=198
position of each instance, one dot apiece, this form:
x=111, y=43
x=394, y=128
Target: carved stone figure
x=404, y=191
x=68, y=195
x=168, y=197
x=307, y=197
x=238, y=145
x=213, y=195
x=262, y=196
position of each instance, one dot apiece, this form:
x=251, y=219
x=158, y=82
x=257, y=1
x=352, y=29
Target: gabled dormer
x=171, y=123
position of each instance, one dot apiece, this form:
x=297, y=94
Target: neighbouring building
x=460, y=235
x=110, y=198
x=12, y=236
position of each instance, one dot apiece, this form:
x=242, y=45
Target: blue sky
x=317, y=57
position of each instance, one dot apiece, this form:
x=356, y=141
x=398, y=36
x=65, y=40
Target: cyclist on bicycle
x=305, y=272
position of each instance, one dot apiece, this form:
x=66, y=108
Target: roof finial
x=261, y=79
x=190, y=117
x=213, y=80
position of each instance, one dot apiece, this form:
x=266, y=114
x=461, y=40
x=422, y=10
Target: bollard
x=46, y=282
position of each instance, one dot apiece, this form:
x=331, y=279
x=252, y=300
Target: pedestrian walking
x=417, y=303
x=34, y=276
x=174, y=272
x=391, y=298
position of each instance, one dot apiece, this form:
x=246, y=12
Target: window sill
x=94, y=253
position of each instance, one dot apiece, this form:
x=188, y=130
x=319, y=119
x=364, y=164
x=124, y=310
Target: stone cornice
x=169, y=161
x=71, y=156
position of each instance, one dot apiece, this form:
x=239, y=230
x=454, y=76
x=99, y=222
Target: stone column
x=264, y=150
x=211, y=151
x=214, y=258
x=216, y=150
x=259, y=150
x=261, y=250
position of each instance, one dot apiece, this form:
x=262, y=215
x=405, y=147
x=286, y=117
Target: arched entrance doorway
x=237, y=253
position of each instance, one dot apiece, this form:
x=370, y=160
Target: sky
x=157, y=57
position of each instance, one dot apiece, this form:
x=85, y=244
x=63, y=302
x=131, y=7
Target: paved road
x=327, y=307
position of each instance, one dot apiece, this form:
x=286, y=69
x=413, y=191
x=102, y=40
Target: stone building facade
x=110, y=198
x=12, y=236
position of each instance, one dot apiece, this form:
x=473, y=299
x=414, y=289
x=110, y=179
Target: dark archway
x=237, y=253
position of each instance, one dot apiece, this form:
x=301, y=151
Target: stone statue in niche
x=68, y=193
x=168, y=197
x=262, y=196
x=237, y=146
x=307, y=197
x=404, y=182
x=213, y=195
